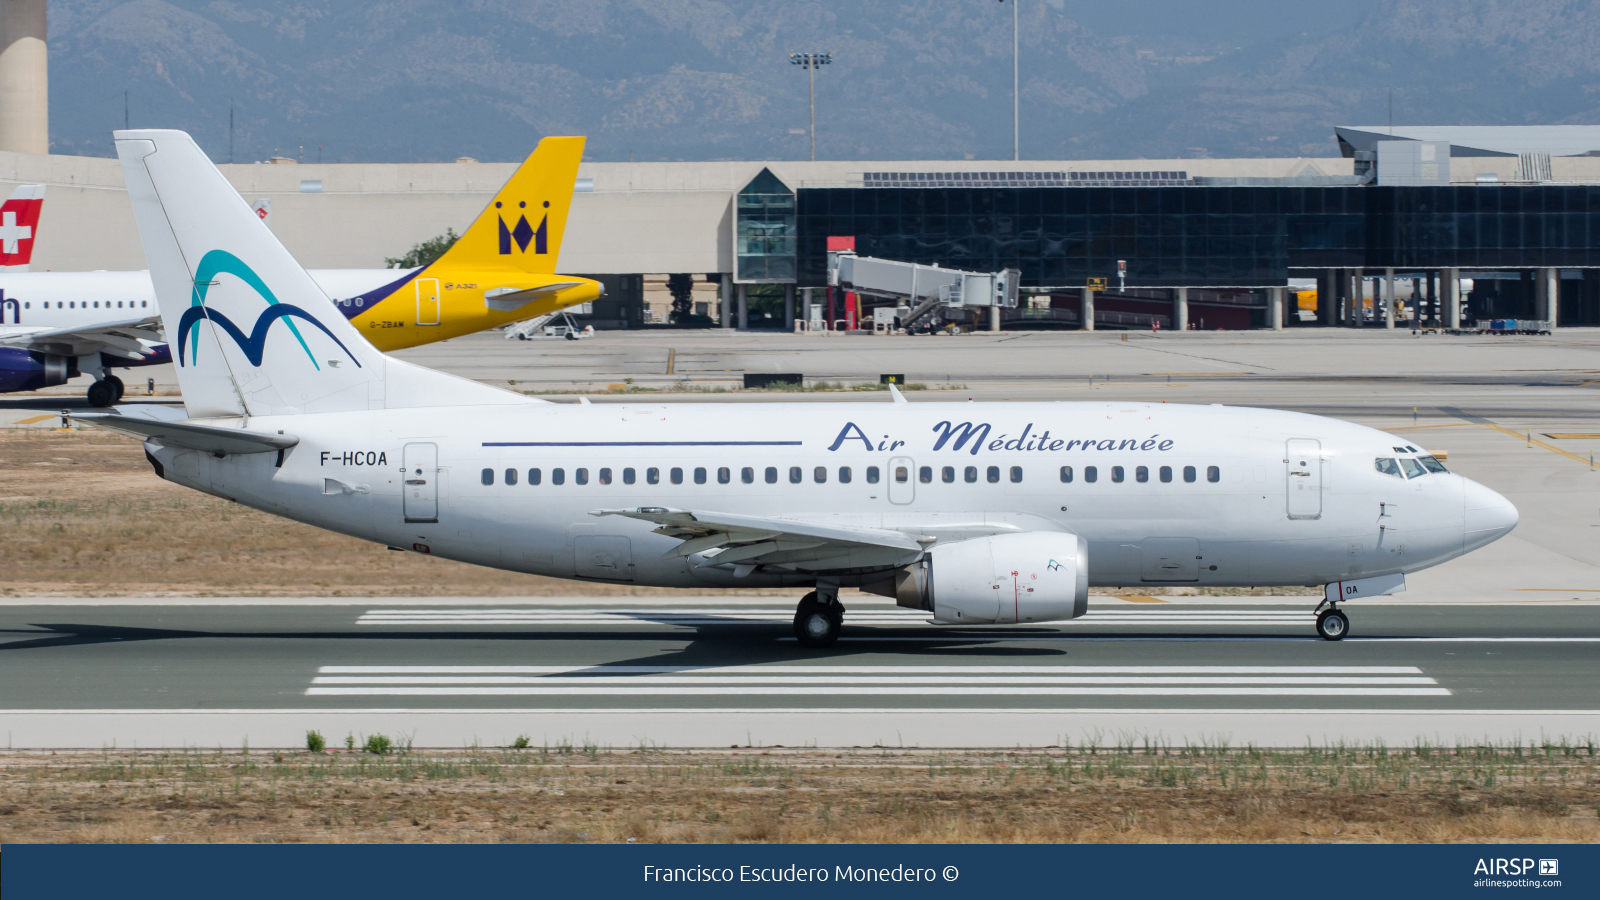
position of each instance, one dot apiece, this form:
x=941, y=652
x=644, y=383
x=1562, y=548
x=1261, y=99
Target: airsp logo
x=523, y=233
x=1055, y=566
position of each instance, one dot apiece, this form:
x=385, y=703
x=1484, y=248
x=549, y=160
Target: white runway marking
x=880, y=617
x=855, y=681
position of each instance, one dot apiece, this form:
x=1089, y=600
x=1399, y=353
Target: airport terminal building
x=1456, y=224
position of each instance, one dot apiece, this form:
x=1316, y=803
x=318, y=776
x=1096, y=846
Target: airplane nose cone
x=1487, y=516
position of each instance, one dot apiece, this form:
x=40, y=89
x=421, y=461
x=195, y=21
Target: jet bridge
x=926, y=290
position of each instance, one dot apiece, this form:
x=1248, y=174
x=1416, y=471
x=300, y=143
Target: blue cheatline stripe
x=641, y=443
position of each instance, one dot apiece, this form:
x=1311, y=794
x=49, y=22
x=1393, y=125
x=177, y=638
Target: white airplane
x=979, y=513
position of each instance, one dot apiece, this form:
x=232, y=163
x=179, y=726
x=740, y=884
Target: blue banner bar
x=440, y=872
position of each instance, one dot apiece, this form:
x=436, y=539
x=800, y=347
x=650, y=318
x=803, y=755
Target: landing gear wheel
x=816, y=624
x=116, y=385
x=1333, y=625
x=102, y=394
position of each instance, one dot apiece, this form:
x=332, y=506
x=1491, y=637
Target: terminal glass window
x=764, y=230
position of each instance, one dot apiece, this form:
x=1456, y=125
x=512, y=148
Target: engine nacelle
x=25, y=370
x=1039, y=576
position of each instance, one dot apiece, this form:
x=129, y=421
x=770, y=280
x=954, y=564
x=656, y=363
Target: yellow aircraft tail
x=521, y=229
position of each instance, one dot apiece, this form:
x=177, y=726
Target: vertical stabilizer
x=521, y=228
x=250, y=332
x=19, y=226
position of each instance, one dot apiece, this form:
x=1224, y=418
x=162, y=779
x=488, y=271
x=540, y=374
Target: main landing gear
x=105, y=392
x=818, y=618
x=1332, y=624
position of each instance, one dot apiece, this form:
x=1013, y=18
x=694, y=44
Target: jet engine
x=1004, y=579
x=25, y=370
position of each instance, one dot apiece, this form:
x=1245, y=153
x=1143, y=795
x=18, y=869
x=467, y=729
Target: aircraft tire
x=1333, y=625
x=101, y=394
x=117, y=386
x=817, y=625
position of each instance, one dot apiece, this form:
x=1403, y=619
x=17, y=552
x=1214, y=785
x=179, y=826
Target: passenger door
x=420, y=482
x=602, y=556
x=1303, y=463
x=1170, y=559
x=427, y=301
x=902, y=480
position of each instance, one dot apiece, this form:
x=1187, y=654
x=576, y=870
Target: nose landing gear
x=1332, y=623
x=818, y=618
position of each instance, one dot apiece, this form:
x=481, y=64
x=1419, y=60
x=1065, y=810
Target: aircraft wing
x=127, y=338
x=749, y=541
x=183, y=433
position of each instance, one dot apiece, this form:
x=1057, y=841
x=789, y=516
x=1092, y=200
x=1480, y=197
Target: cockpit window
x=1387, y=466
x=1413, y=469
x=1401, y=450
x=1431, y=464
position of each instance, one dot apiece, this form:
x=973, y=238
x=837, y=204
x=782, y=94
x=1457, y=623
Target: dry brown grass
x=583, y=794
x=84, y=516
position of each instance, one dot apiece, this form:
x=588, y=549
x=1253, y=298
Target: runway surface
x=720, y=671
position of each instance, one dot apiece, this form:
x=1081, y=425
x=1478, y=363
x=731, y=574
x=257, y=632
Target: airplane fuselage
x=1163, y=493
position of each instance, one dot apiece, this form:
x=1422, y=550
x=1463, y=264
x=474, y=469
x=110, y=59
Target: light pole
x=1016, y=107
x=810, y=62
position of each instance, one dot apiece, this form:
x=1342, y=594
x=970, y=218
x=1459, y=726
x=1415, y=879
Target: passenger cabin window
x=948, y=474
x=1116, y=474
x=1213, y=474
x=1166, y=474
x=1411, y=467
x=747, y=475
x=534, y=476
x=925, y=474
x=1090, y=474
x=627, y=476
x=700, y=475
x=511, y=476
x=1016, y=474
x=844, y=474
x=993, y=474
x=724, y=475
x=676, y=476
x=1066, y=474
x=581, y=476
x=772, y=474
x=652, y=475
x=1387, y=466
x=902, y=474
x=970, y=474
x=558, y=476
x=820, y=474
x=1141, y=474
x=872, y=474
x=1188, y=474
x=488, y=476
x=605, y=476
x=794, y=475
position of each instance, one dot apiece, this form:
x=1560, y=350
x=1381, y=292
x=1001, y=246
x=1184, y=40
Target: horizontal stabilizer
x=183, y=433
x=510, y=299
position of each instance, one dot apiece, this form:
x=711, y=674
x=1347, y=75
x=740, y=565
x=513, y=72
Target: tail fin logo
x=523, y=233
x=19, y=222
x=253, y=344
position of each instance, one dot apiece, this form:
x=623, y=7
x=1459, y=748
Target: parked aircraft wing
x=127, y=338
x=183, y=433
x=727, y=539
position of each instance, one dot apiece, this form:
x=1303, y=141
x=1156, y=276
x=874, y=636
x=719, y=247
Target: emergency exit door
x=420, y=482
x=427, y=301
x=1303, y=463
